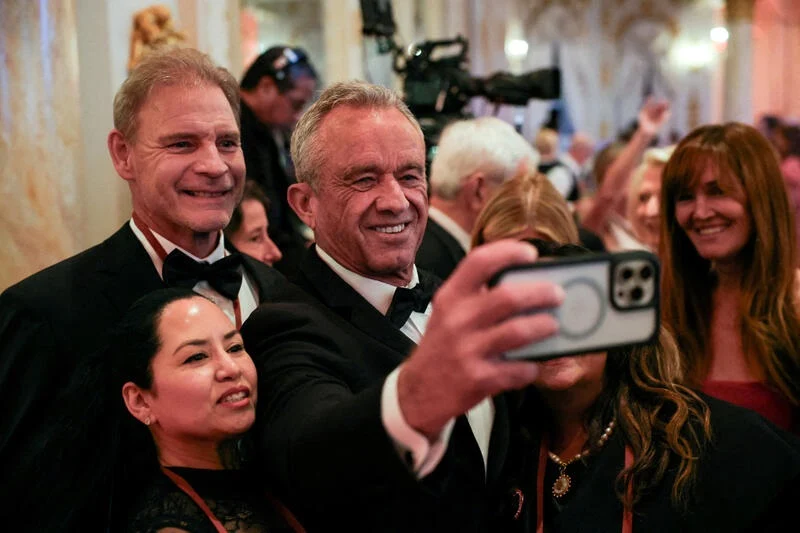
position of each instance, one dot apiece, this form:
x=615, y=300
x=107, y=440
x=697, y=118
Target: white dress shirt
x=248, y=294
x=425, y=455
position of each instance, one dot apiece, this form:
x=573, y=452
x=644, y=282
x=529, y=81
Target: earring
x=147, y=421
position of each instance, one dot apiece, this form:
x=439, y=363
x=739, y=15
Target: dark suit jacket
x=322, y=361
x=439, y=252
x=263, y=161
x=53, y=319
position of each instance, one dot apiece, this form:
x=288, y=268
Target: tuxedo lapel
x=266, y=278
x=125, y=272
x=499, y=440
x=333, y=291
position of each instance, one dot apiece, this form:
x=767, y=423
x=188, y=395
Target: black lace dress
x=232, y=496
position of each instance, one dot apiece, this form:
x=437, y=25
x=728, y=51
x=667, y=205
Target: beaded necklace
x=564, y=481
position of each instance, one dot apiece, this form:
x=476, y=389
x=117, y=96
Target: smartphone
x=611, y=300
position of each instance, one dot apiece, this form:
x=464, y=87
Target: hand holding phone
x=611, y=301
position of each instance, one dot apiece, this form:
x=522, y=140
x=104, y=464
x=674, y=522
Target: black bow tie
x=405, y=301
x=224, y=276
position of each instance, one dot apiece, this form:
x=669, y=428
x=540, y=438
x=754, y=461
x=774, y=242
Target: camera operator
x=275, y=91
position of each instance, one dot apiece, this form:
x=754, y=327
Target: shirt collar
x=217, y=254
x=378, y=293
x=451, y=227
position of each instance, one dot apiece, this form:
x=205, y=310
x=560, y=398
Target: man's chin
x=398, y=270
x=210, y=222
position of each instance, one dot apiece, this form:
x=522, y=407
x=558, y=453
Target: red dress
x=759, y=397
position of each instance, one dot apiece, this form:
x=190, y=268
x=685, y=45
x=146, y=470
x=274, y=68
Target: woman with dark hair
x=613, y=441
x=248, y=230
x=729, y=280
x=155, y=428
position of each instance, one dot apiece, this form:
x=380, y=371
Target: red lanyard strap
x=627, y=515
x=182, y=484
x=185, y=487
x=148, y=234
x=287, y=514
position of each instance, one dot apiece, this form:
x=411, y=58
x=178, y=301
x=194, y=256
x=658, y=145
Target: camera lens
x=626, y=273
x=646, y=273
x=636, y=294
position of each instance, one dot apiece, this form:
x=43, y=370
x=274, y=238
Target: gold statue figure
x=152, y=28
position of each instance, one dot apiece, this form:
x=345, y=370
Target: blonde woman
x=644, y=197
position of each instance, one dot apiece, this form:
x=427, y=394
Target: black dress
x=231, y=495
x=748, y=481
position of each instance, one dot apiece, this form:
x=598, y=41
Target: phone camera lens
x=636, y=294
x=626, y=273
x=646, y=273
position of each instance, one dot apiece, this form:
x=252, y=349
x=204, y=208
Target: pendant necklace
x=564, y=481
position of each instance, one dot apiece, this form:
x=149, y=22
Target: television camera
x=436, y=83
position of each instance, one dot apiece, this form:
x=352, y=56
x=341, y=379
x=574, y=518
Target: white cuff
x=425, y=455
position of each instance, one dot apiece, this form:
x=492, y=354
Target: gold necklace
x=563, y=481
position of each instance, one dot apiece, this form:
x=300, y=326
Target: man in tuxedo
x=551, y=165
x=176, y=143
x=275, y=91
x=375, y=407
x=473, y=158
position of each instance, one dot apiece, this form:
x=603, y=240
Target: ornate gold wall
x=39, y=136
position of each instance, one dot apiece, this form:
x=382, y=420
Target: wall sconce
x=719, y=36
x=692, y=56
x=516, y=48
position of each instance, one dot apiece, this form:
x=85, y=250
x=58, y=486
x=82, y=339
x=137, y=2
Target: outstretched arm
x=652, y=117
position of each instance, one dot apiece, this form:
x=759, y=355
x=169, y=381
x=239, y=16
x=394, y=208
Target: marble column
x=214, y=26
x=39, y=136
x=344, y=57
x=739, y=62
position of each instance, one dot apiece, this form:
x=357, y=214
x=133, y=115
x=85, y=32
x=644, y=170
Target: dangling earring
x=147, y=421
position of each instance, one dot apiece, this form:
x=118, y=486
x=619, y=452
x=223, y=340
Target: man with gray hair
x=473, y=158
x=176, y=143
x=378, y=411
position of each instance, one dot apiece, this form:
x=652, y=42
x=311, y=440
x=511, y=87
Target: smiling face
x=185, y=165
x=204, y=383
x=370, y=205
x=645, y=217
x=715, y=217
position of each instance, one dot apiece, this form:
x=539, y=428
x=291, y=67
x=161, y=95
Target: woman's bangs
x=685, y=168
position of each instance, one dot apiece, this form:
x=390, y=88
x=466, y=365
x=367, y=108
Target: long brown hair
x=662, y=420
x=770, y=325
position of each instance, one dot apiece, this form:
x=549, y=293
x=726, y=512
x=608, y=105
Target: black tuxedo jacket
x=322, y=361
x=439, y=252
x=53, y=319
x=262, y=158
